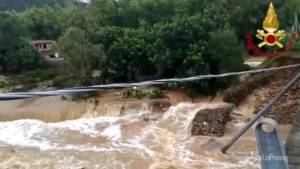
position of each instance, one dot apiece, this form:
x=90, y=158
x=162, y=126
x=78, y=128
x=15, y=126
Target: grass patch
x=3, y=83
x=294, y=55
x=32, y=79
x=140, y=93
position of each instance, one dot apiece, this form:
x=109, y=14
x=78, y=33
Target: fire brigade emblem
x=270, y=36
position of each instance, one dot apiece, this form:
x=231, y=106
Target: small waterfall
x=121, y=142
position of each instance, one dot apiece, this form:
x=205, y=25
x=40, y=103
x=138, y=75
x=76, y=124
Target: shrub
x=152, y=93
x=24, y=58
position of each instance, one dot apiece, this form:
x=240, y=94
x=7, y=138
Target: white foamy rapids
x=33, y=133
x=112, y=132
x=166, y=140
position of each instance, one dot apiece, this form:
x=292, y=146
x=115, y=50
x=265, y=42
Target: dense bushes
x=144, y=39
x=179, y=46
x=133, y=40
x=19, y=5
x=24, y=58
x=17, y=54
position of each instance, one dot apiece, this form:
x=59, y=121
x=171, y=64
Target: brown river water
x=111, y=141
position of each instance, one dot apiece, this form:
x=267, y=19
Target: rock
x=160, y=105
x=283, y=113
x=212, y=144
x=239, y=92
x=211, y=122
x=132, y=108
x=235, y=95
x=151, y=116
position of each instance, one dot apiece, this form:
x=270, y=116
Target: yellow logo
x=270, y=35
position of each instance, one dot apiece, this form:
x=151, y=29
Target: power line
x=75, y=90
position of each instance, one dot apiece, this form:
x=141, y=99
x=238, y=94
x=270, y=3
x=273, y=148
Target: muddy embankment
x=113, y=132
x=265, y=87
x=109, y=103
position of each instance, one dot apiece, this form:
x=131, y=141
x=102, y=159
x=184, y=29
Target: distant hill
x=19, y=5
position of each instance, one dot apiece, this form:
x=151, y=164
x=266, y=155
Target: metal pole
x=260, y=113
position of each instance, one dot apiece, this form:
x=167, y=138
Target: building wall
x=43, y=47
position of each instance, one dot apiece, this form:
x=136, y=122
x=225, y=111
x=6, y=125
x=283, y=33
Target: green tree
x=132, y=13
x=16, y=54
x=127, y=39
x=81, y=57
x=73, y=15
x=183, y=42
x=198, y=44
x=128, y=58
x=11, y=29
x=42, y=23
x=20, y=5
x=24, y=58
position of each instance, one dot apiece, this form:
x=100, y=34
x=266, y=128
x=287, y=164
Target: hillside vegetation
x=111, y=41
x=19, y=5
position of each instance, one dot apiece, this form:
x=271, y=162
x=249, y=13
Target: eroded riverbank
x=97, y=140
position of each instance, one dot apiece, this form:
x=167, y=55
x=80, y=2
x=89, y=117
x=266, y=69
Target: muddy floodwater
x=124, y=142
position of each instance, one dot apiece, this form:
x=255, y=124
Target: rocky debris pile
x=238, y=93
x=293, y=145
x=284, y=111
x=211, y=122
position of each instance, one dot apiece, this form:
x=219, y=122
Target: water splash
x=126, y=142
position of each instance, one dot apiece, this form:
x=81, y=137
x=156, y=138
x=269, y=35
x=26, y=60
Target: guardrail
x=270, y=146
